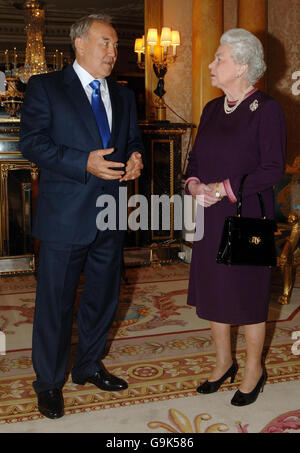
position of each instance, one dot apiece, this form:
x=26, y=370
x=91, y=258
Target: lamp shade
x=166, y=36
x=138, y=45
x=175, y=38
x=152, y=37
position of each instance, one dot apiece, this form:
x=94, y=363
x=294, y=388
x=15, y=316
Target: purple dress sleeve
x=192, y=169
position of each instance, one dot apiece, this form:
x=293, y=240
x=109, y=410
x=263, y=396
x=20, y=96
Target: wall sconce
x=139, y=48
x=163, y=52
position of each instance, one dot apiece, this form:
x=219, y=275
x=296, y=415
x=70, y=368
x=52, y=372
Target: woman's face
x=223, y=70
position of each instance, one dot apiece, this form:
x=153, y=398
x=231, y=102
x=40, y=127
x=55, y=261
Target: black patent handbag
x=246, y=240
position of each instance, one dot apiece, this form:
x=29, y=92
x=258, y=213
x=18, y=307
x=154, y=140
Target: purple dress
x=247, y=141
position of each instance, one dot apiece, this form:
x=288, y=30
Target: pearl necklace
x=229, y=109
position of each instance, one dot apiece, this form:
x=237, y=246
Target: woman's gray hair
x=246, y=49
x=82, y=26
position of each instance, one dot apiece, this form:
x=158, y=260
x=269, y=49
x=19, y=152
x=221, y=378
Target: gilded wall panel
x=283, y=61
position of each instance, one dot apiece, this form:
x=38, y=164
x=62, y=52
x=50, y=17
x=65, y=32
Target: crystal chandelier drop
x=35, y=61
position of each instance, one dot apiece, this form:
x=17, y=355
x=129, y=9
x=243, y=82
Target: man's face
x=97, y=51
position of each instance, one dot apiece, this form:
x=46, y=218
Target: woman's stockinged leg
x=255, y=338
x=221, y=337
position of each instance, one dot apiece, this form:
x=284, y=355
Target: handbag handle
x=239, y=200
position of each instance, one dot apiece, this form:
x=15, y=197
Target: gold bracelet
x=218, y=194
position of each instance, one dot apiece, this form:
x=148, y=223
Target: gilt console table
x=16, y=176
x=162, y=176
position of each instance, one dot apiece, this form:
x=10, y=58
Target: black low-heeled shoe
x=243, y=399
x=211, y=387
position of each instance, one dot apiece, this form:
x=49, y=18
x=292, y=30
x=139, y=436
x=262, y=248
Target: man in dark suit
x=81, y=130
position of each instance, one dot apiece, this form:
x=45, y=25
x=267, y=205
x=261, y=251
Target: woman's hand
x=205, y=194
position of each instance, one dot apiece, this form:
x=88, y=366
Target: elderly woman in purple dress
x=240, y=133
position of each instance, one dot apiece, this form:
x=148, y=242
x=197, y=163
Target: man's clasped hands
x=106, y=169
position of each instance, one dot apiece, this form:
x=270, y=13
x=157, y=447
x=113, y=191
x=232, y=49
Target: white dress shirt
x=85, y=79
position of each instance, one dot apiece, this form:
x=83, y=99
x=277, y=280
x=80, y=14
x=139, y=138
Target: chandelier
x=35, y=61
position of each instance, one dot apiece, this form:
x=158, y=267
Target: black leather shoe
x=213, y=386
x=104, y=381
x=243, y=399
x=51, y=403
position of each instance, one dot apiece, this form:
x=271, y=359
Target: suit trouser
x=60, y=266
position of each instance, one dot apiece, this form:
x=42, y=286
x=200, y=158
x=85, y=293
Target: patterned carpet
x=163, y=350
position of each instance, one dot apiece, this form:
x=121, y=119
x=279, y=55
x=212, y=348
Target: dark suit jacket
x=58, y=131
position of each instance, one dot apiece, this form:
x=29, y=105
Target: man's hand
x=133, y=167
x=103, y=168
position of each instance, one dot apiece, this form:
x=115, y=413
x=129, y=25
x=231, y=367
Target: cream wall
x=230, y=14
x=178, y=14
x=283, y=60
x=178, y=81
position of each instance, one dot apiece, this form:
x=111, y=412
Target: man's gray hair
x=246, y=49
x=82, y=26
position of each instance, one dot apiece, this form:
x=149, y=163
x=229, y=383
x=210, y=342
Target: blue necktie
x=100, y=113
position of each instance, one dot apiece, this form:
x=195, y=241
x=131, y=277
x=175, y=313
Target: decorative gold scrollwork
x=255, y=240
x=34, y=171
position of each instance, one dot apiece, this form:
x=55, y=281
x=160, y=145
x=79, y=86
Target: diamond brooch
x=254, y=105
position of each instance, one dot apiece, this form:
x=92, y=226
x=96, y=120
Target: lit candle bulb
x=175, y=41
x=6, y=58
x=143, y=44
x=138, y=48
x=165, y=39
x=56, y=60
x=152, y=39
